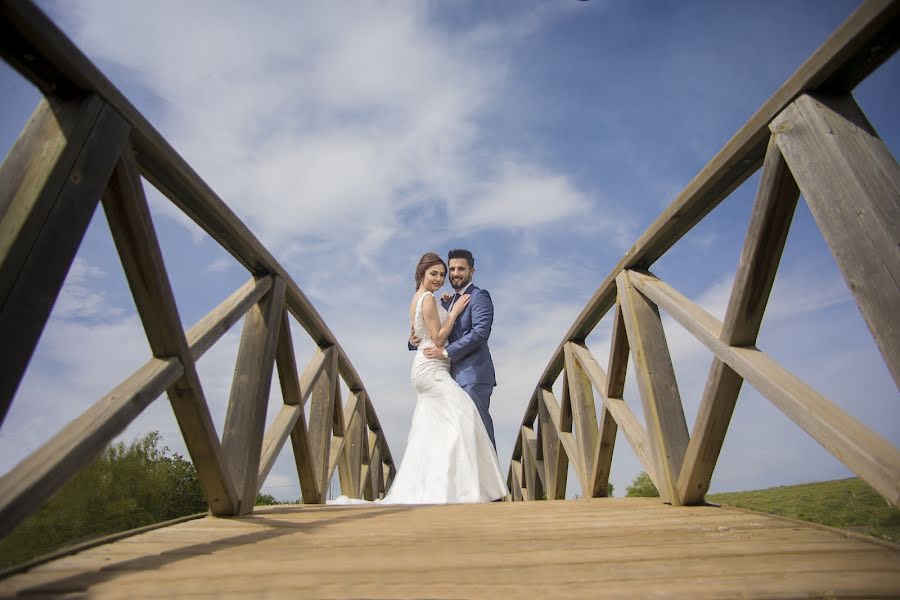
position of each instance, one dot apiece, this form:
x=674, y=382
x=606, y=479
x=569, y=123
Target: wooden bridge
x=86, y=144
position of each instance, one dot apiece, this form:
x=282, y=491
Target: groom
x=467, y=348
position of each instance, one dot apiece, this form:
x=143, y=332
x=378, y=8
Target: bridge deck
x=609, y=547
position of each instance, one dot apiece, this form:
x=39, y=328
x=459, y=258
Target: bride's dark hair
x=429, y=259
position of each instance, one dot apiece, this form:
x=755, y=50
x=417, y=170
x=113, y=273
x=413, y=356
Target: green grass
x=847, y=503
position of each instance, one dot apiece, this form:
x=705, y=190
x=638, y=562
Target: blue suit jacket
x=470, y=357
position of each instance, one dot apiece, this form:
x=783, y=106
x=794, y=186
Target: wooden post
x=663, y=413
x=246, y=419
x=776, y=200
x=49, y=187
x=851, y=183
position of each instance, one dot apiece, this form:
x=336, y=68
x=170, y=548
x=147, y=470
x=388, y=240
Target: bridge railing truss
x=86, y=144
x=810, y=137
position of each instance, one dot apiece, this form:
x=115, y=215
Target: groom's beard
x=462, y=284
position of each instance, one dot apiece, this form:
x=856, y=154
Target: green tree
x=124, y=488
x=642, y=487
x=265, y=500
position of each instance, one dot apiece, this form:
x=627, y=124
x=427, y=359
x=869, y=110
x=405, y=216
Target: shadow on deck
x=616, y=547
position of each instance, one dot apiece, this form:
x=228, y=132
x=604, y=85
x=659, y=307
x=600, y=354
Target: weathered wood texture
x=86, y=140
x=609, y=547
x=49, y=188
x=666, y=427
x=773, y=210
x=246, y=418
x=851, y=183
x=135, y=238
x=865, y=452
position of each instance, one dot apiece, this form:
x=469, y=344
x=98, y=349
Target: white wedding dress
x=449, y=457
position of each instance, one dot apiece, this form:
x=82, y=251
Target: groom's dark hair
x=460, y=253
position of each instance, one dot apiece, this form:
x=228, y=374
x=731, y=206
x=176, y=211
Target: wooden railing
x=84, y=144
x=809, y=137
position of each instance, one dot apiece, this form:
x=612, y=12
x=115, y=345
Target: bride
x=449, y=457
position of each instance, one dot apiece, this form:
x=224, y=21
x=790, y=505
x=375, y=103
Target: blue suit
x=470, y=358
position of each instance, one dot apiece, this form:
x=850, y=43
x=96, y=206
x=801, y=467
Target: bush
x=124, y=488
x=642, y=487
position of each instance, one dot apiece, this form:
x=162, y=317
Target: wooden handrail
x=860, y=45
x=86, y=140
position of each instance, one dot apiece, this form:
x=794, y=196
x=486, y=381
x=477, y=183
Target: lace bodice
x=420, y=329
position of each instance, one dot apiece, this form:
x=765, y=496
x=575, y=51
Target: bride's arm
x=433, y=322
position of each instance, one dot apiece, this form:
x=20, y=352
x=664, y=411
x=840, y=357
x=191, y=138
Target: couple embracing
x=450, y=453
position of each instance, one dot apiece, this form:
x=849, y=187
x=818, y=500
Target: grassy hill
x=846, y=503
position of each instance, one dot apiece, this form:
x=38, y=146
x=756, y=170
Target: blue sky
x=544, y=136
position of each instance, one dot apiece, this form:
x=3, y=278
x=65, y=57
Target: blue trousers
x=481, y=396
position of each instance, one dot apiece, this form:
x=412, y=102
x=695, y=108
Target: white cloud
x=310, y=119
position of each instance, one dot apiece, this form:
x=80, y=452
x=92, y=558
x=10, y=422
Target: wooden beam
x=208, y=330
x=246, y=418
x=773, y=210
x=851, y=183
x=354, y=426
x=276, y=436
x=584, y=415
x=865, y=40
x=663, y=413
x=321, y=413
x=25, y=488
x=618, y=358
x=294, y=392
x=632, y=429
x=534, y=468
x=135, y=238
x=49, y=187
x=556, y=461
x=866, y=453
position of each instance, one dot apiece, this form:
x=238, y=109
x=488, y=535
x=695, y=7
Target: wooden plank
x=866, y=453
x=320, y=416
x=631, y=427
x=246, y=418
x=480, y=550
x=208, y=330
x=276, y=436
x=566, y=439
x=334, y=455
x=556, y=462
x=376, y=473
x=48, y=193
x=533, y=469
x=599, y=461
x=851, y=183
x=294, y=392
x=773, y=210
x=287, y=417
x=348, y=470
x=602, y=459
x=135, y=238
x=519, y=492
x=358, y=434
x=373, y=423
x=618, y=358
x=663, y=413
x=25, y=488
x=133, y=233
